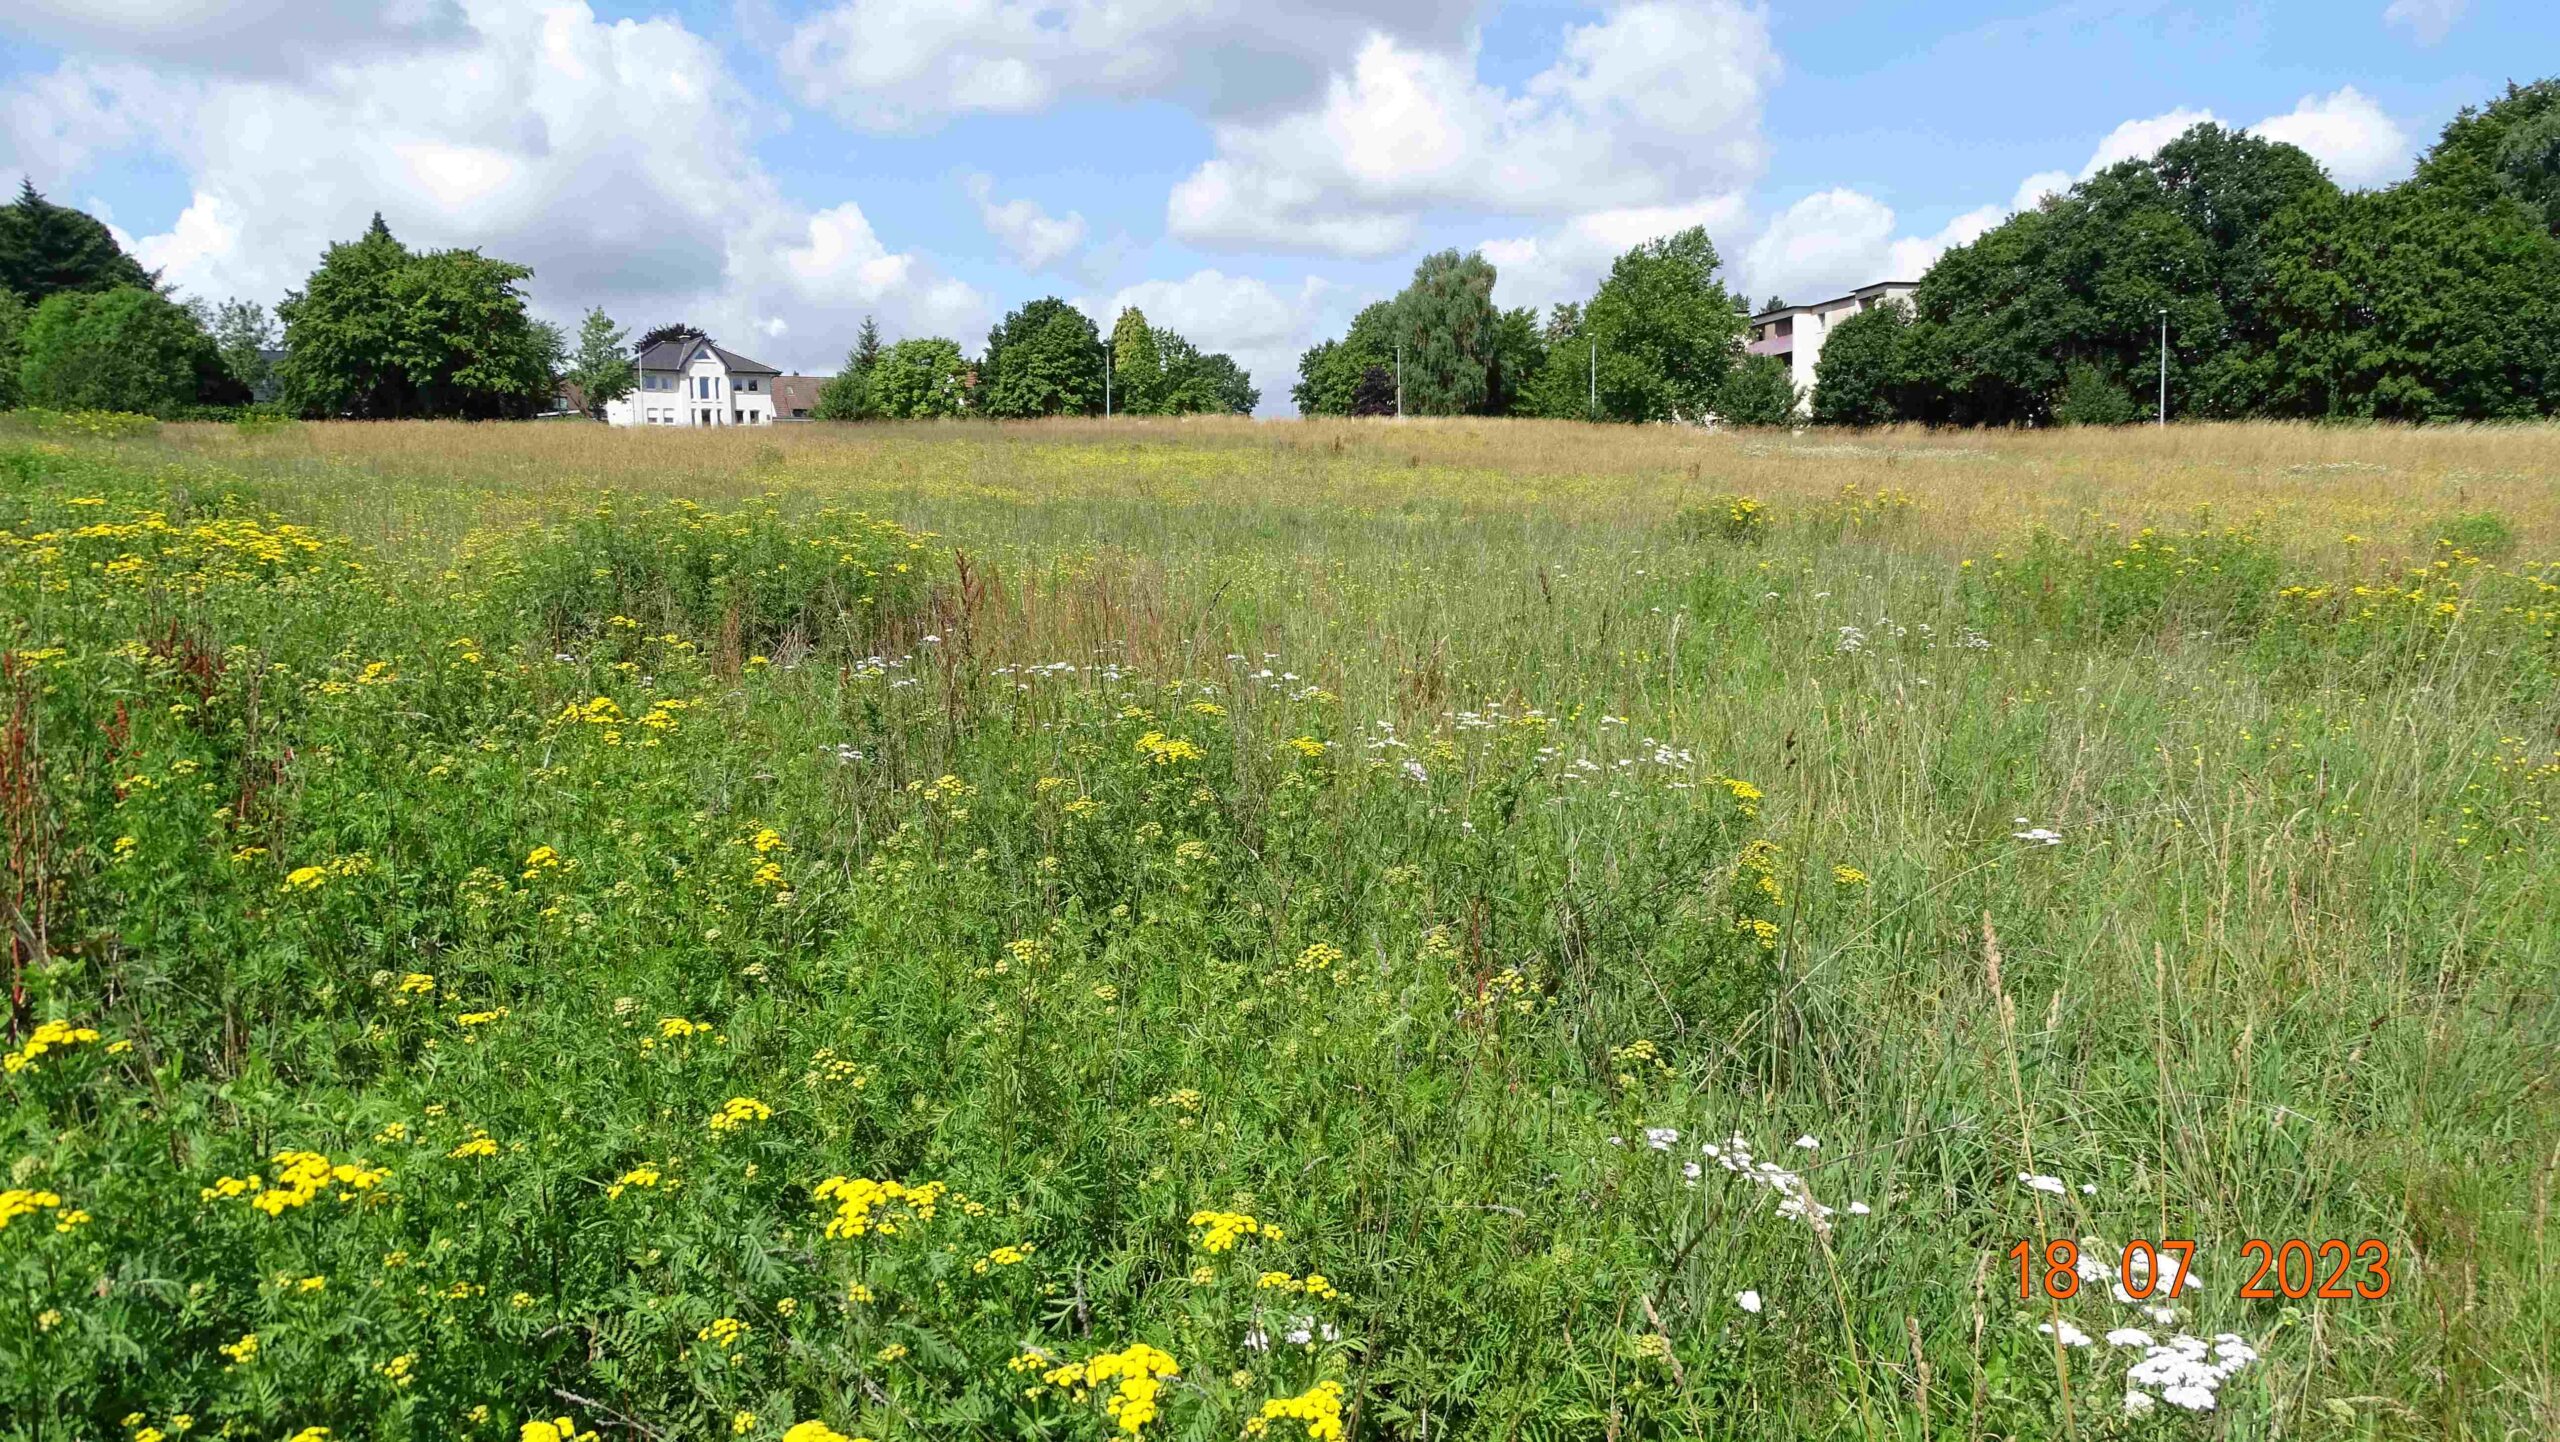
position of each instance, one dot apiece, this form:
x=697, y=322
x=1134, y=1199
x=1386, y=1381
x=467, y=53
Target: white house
x=696, y=383
x=1794, y=333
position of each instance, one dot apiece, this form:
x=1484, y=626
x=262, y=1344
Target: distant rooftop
x=1836, y=301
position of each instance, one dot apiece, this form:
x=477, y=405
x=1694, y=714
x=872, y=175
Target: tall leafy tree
x=847, y=394
x=2511, y=146
x=1374, y=394
x=1759, y=392
x=1044, y=360
x=1331, y=371
x=1519, y=353
x=603, y=368
x=1863, y=377
x=242, y=336
x=13, y=336
x=1446, y=322
x=1137, y=368
x=1661, y=332
x=45, y=248
x=126, y=349
x=381, y=332
x=920, y=380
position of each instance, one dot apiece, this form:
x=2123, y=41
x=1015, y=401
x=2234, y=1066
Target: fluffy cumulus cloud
x=1035, y=239
x=1834, y=240
x=244, y=36
x=537, y=135
x=1566, y=261
x=1654, y=104
x=2427, y=21
x=909, y=64
x=1262, y=326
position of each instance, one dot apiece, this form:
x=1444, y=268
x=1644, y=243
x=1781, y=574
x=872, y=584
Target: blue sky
x=1249, y=173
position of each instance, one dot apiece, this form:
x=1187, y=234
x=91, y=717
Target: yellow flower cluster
x=1318, y=1409
x=18, y=1202
x=48, y=1036
x=558, y=1429
x=1221, y=1229
x=1848, y=876
x=1313, y=1284
x=723, y=1333
x=300, y=1176
x=1162, y=750
x=1002, y=1257
x=643, y=1175
x=817, y=1432
x=864, y=1206
x=480, y=1145
x=738, y=1112
x=1136, y=1376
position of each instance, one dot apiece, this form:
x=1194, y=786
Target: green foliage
x=1519, y=354
x=242, y=334
x=1044, y=360
x=658, y=335
x=2477, y=533
x=1197, y=384
x=1667, y=333
x=2091, y=397
x=1137, y=368
x=13, y=342
x=753, y=577
x=128, y=349
x=1864, y=376
x=46, y=249
x=919, y=380
x=1760, y=392
x=1445, y=321
x=847, y=394
x=380, y=332
x=604, y=369
x=1330, y=371
x=1742, y=520
x=1374, y=394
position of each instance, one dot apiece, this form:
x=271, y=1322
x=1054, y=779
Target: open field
x=514, y=899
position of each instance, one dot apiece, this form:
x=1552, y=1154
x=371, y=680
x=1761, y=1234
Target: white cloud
x=2347, y=133
x=2138, y=139
x=2427, y=21
x=1567, y=261
x=1834, y=241
x=1654, y=104
x=1034, y=238
x=262, y=37
x=1262, y=327
x=539, y=136
x=909, y=64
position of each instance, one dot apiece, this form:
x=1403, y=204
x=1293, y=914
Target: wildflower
x=310, y=1434
x=1003, y=1257
x=1136, y=1376
x=1749, y=1301
x=2138, y=1403
x=1848, y=876
x=48, y=1036
x=417, y=983
x=470, y=1019
x=1661, y=1138
x=895, y=1351
x=2061, y=1328
x=242, y=1350
x=1306, y=746
x=1318, y=1409
x=723, y=1332
x=1221, y=1229
x=2045, y=1184
x=817, y=1432
x=742, y=1424
x=1162, y=750
x=738, y=1112
x=480, y=1145
x=858, y=1293
x=18, y=1202
x=864, y=1206
x=2042, y=836
x=1808, y=1143
x=558, y=1429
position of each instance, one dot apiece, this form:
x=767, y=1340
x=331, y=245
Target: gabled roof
x=797, y=393
x=675, y=355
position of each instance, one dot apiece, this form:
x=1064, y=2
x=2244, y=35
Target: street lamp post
x=1106, y=380
x=2164, y=365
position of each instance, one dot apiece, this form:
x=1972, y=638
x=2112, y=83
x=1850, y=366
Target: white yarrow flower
x=1750, y=1301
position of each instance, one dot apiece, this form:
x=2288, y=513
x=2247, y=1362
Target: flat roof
x=1835, y=300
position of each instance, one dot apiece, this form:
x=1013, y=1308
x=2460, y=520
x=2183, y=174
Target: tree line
x=1659, y=340
x=2434, y=299
x=380, y=331
x=2284, y=296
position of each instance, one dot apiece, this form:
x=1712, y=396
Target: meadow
x=1205, y=929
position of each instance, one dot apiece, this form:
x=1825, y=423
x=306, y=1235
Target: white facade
x=696, y=383
x=1794, y=333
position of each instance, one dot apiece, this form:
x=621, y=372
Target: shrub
x=1743, y=520
x=2090, y=397
x=2478, y=533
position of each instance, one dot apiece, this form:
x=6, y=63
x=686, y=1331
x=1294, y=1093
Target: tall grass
x=1390, y=834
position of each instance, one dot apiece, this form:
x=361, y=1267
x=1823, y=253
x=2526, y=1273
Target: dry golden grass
x=2305, y=486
